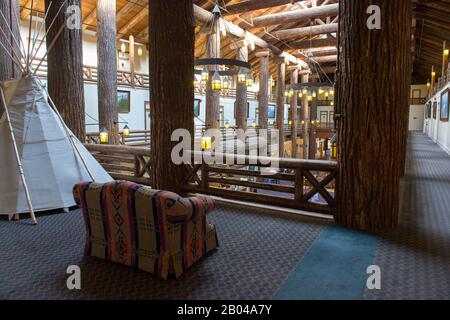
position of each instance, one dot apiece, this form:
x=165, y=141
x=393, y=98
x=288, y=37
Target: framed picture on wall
x=197, y=107
x=444, y=106
x=123, y=101
x=271, y=111
x=434, y=109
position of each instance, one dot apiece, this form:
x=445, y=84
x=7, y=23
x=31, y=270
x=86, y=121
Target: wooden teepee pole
x=19, y=162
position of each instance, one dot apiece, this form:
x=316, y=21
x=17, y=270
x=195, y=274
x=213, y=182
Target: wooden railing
x=142, y=137
x=123, y=162
x=299, y=184
x=291, y=183
x=90, y=74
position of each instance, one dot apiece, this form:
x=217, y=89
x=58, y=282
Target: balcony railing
x=307, y=185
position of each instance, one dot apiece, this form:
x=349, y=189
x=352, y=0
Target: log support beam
x=372, y=115
x=281, y=80
x=241, y=91
x=171, y=61
x=107, y=68
x=263, y=94
x=293, y=114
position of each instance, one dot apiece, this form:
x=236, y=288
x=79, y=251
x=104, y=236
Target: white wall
x=436, y=129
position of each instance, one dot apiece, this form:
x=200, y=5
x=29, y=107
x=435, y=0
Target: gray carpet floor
x=415, y=257
x=258, y=249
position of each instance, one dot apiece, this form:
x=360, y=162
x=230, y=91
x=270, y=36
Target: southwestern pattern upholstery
x=155, y=231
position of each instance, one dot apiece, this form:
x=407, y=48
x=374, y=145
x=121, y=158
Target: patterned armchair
x=155, y=231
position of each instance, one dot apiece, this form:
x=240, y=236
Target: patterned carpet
x=415, y=258
x=257, y=251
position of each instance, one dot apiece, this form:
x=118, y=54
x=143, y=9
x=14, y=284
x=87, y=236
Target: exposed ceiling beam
x=296, y=15
x=204, y=16
x=130, y=24
x=89, y=19
x=306, y=31
x=250, y=5
x=316, y=43
x=25, y=12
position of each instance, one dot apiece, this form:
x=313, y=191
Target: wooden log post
x=306, y=31
x=305, y=119
x=263, y=94
x=293, y=110
x=241, y=90
x=433, y=79
x=283, y=18
x=171, y=59
x=212, y=97
x=281, y=87
x=371, y=114
x=445, y=54
x=107, y=68
x=65, y=66
x=8, y=70
x=312, y=145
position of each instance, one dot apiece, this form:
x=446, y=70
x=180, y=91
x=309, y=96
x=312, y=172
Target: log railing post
x=299, y=181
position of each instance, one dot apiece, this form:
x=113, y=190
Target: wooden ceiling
x=431, y=28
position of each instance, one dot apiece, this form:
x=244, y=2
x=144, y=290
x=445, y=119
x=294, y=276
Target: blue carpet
x=334, y=268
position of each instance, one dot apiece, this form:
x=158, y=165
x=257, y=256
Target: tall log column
x=107, y=67
x=312, y=145
x=213, y=97
x=293, y=111
x=305, y=119
x=65, y=68
x=171, y=55
x=281, y=84
x=241, y=90
x=8, y=70
x=263, y=94
x=372, y=100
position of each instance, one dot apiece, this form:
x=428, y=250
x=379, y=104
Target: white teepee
x=51, y=163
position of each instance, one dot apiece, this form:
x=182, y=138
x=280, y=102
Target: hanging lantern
x=205, y=74
x=303, y=122
x=139, y=51
x=291, y=93
x=305, y=91
x=310, y=98
x=225, y=83
x=249, y=82
x=254, y=124
x=216, y=82
x=206, y=143
x=242, y=76
x=314, y=94
x=286, y=93
x=290, y=122
x=326, y=94
x=227, y=125
x=123, y=47
x=331, y=92
x=446, y=53
x=104, y=136
x=300, y=94
x=332, y=103
x=126, y=131
x=428, y=84
x=321, y=91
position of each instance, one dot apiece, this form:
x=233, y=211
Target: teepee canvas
x=51, y=162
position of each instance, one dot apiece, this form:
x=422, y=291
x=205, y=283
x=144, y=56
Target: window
x=271, y=111
x=123, y=101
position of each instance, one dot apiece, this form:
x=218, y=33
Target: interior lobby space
x=204, y=151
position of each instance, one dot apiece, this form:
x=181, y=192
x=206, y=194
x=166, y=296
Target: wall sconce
x=139, y=51
x=446, y=53
x=227, y=125
x=104, y=136
x=123, y=47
